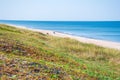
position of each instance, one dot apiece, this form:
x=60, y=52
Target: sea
x=102, y=30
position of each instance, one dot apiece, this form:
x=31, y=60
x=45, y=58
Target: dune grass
x=52, y=58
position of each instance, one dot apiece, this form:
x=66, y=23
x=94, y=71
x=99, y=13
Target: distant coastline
x=102, y=43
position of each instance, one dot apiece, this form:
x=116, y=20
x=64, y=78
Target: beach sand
x=102, y=43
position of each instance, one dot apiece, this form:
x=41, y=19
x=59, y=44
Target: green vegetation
x=28, y=55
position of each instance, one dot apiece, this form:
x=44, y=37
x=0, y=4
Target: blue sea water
x=103, y=30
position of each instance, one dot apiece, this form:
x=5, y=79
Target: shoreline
x=101, y=43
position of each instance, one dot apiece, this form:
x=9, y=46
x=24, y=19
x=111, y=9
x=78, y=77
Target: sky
x=60, y=10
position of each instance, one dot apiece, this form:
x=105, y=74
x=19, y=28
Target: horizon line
x=62, y=20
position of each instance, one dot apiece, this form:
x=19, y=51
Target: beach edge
x=101, y=43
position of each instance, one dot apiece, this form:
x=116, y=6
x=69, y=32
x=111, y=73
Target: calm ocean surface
x=98, y=30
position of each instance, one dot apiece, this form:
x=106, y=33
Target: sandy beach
x=102, y=43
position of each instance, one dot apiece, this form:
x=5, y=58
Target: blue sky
x=61, y=10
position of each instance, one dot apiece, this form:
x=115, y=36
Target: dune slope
x=26, y=54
